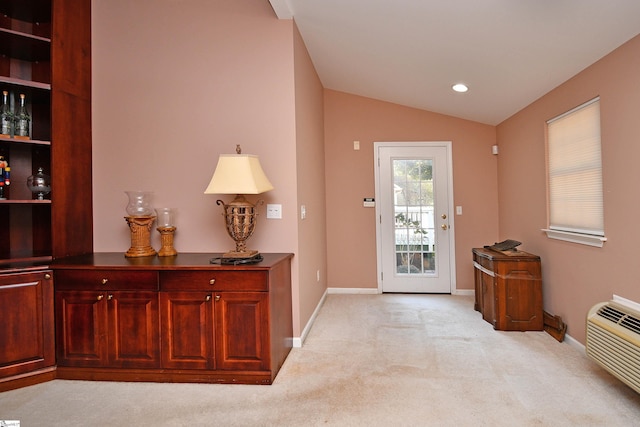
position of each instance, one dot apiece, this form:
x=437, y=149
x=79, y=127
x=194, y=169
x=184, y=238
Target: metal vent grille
x=613, y=340
x=623, y=319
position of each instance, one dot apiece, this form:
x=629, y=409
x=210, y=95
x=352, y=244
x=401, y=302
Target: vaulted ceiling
x=410, y=52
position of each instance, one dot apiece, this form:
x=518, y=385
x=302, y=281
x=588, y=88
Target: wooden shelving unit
x=45, y=53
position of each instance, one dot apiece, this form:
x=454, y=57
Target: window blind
x=575, y=171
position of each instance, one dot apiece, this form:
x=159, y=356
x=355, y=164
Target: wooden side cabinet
x=27, y=353
x=172, y=319
x=508, y=289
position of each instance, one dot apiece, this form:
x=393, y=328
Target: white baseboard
x=361, y=291
x=372, y=291
x=298, y=341
x=574, y=343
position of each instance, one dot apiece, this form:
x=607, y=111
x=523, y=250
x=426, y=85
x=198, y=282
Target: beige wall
x=175, y=84
x=575, y=277
x=351, y=228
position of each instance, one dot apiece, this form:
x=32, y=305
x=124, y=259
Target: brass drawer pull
x=212, y=282
x=217, y=297
x=100, y=297
x=104, y=281
x=208, y=298
x=110, y=297
x=47, y=276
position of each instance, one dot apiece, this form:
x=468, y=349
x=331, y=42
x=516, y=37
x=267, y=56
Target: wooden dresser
x=172, y=319
x=508, y=289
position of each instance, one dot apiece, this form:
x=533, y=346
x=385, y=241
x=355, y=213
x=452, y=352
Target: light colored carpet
x=370, y=360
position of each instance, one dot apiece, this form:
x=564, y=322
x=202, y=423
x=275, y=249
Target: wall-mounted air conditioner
x=613, y=340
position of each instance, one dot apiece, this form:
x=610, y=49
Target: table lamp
x=239, y=174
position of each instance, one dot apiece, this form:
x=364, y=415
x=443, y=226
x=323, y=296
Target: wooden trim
x=166, y=375
x=31, y=378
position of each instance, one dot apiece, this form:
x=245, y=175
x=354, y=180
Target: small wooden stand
x=166, y=237
x=140, y=236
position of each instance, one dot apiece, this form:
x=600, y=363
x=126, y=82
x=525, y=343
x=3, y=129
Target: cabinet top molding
x=505, y=255
x=182, y=261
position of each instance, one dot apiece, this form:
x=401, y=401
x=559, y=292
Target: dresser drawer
x=485, y=262
x=213, y=280
x=106, y=280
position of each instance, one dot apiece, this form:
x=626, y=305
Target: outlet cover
x=274, y=211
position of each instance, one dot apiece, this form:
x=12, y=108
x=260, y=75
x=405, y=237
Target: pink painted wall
x=310, y=167
x=351, y=228
x=175, y=84
x=575, y=277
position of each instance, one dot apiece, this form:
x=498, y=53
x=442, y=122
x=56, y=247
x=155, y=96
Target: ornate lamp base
x=240, y=217
x=166, y=237
x=249, y=253
x=140, y=236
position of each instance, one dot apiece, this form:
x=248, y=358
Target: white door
x=414, y=211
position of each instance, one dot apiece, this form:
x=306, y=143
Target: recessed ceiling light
x=460, y=87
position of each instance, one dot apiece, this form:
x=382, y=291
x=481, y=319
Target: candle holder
x=166, y=228
x=140, y=236
x=140, y=219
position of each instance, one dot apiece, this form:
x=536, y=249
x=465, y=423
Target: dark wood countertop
x=182, y=261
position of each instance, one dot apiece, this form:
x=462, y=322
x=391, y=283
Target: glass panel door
x=414, y=232
x=413, y=213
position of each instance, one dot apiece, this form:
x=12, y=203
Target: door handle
x=444, y=226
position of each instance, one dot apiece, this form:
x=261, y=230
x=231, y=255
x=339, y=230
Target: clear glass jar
x=165, y=217
x=140, y=203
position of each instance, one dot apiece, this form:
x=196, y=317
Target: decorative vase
x=139, y=203
x=39, y=184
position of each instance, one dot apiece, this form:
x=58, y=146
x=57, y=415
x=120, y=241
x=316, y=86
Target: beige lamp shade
x=238, y=174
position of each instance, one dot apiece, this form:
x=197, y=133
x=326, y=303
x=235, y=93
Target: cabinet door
x=81, y=335
x=521, y=297
x=242, y=330
x=186, y=320
x=134, y=334
x=26, y=323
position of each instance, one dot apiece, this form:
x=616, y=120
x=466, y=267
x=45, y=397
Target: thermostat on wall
x=369, y=202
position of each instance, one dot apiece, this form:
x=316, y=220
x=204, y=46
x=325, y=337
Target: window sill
x=583, y=239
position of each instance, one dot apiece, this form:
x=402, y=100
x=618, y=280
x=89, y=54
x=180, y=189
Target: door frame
x=452, y=249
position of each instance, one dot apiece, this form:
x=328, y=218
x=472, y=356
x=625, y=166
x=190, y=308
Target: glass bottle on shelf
x=22, y=120
x=5, y=115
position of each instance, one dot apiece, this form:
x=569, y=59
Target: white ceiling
x=410, y=52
